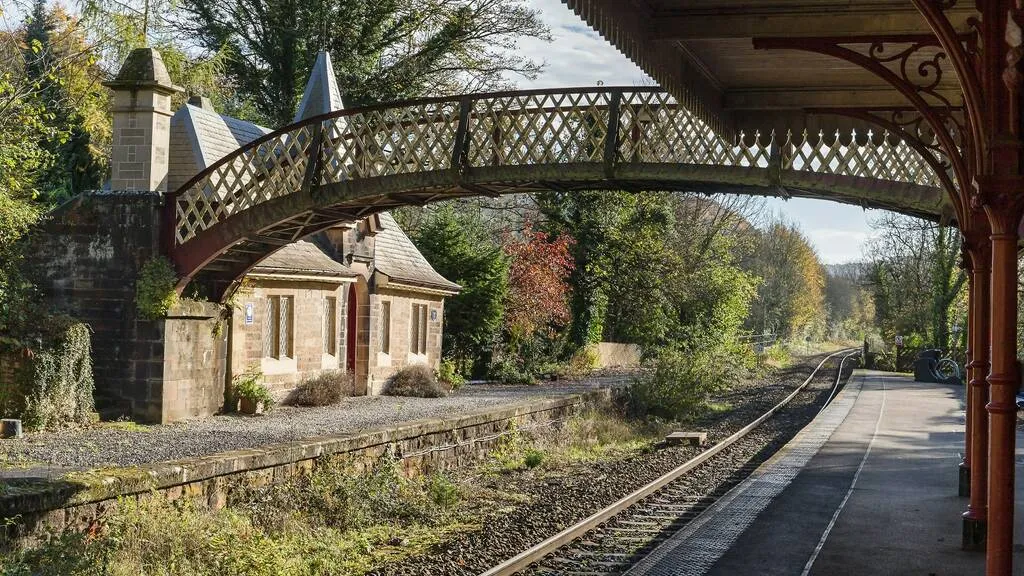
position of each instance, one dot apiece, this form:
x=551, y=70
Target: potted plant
x=252, y=396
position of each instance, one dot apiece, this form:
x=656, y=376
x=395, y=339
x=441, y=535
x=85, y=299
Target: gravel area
x=556, y=500
x=49, y=454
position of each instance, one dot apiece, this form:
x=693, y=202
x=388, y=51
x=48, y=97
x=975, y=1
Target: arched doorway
x=357, y=337
x=350, y=330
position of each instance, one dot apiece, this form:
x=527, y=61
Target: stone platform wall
x=80, y=500
x=614, y=355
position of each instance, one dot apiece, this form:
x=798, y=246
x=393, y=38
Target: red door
x=350, y=331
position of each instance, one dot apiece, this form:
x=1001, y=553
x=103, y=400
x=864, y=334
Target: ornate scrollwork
x=1015, y=41
x=926, y=76
x=999, y=197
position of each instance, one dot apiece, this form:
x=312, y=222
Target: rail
x=550, y=545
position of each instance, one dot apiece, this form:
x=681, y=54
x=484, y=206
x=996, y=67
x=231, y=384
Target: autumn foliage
x=538, y=292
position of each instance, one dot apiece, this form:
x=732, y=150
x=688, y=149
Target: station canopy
x=735, y=63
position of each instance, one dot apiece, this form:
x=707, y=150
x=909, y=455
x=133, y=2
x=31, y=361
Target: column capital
x=976, y=250
x=1002, y=199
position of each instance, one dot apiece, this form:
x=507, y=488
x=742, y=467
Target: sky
x=580, y=57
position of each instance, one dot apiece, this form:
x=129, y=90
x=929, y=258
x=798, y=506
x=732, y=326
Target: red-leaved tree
x=538, y=293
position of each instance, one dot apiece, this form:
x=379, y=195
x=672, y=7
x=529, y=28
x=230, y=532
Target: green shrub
x=154, y=289
x=442, y=491
x=448, y=374
x=678, y=385
x=417, y=381
x=777, y=355
x=583, y=362
x=53, y=382
x=533, y=458
x=324, y=389
x=507, y=370
x=248, y=386
x=332, y=521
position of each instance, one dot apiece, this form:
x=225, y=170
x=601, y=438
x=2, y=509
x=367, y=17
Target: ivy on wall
x=154, y=290
x=51, y=386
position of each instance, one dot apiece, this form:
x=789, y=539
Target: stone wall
x=309, y=357
x=383, y=365
x=79, y=500
x=194, y=361
x=614, y=355
x=86, y=257
x=10, y=364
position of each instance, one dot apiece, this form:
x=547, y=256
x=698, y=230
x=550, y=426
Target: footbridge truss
x=347, y=165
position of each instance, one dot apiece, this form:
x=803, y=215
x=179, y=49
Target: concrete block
x=10, y=428
x=686, y=438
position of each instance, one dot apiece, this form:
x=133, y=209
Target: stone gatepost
x=142, y=123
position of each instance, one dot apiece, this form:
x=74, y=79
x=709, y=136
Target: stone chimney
x=142, y=120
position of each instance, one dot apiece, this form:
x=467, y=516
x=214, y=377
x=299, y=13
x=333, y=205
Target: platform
x=870, y=487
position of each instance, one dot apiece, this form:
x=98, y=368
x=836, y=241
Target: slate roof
x=144, y=67
x=213, y=134
x=322, y=94
x=397, y=257
x=302, y=258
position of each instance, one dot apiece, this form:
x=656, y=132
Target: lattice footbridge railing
x=598, y=125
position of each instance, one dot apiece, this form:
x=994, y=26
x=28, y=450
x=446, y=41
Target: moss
x=100, y=483
x=18, y=461
x=125, y=426
x=155, y=288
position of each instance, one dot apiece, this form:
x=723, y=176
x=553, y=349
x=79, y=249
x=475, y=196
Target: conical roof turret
x=322, y=95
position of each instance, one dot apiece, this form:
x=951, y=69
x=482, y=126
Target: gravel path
x=555, y=501
x=49, y=454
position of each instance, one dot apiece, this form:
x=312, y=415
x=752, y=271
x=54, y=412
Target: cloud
x=577, y=56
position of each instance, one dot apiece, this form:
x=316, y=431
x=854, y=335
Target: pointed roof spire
x=322, y=94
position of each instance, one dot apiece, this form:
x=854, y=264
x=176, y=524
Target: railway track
x=611, y=540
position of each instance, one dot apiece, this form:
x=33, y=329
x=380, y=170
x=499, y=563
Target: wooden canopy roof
x=705, y=53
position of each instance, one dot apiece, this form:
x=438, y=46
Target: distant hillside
x=851, y=270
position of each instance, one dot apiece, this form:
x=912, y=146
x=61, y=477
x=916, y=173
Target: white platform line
x=853, y=484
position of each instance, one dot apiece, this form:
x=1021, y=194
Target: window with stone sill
x=418, y=329
x=330, y=331
x=385, y=327
x=278, y=328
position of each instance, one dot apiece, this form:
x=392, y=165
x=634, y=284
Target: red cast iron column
x=965, y=462
x=1003, y=206
x=980, y=255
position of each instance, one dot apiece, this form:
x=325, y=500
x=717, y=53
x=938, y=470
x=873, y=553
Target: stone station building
x=358, y=298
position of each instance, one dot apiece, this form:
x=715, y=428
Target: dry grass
x=417, y=380
x=324, y=389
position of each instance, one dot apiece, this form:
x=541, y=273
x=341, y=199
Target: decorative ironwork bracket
x=918, y=83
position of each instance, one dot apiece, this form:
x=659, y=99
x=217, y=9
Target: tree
x=850, y=304
x=457, y=246
x=60, y=63
x=384, y=49
x=593, y=219
x=791, y=298
x=915, y=279
x=537, y=299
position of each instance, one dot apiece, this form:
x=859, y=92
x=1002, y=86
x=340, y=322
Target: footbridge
x=346, y=165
